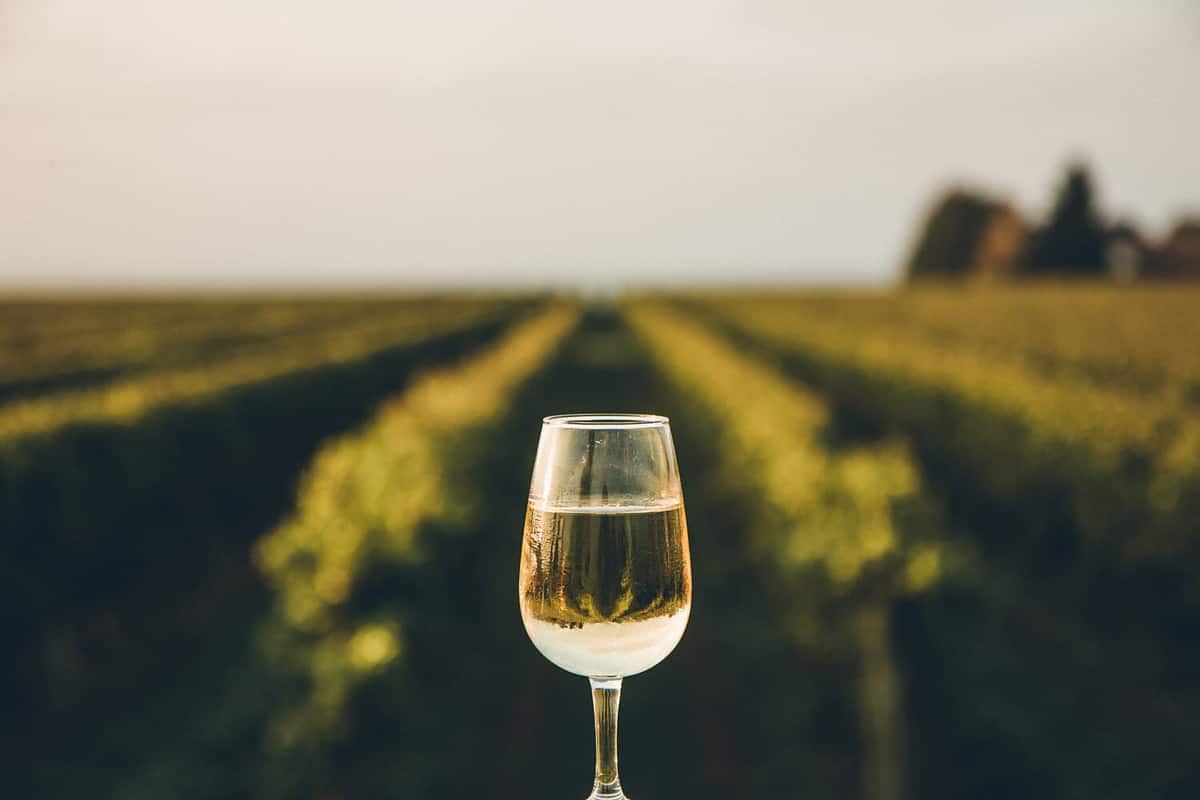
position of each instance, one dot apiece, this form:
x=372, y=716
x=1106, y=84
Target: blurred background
x=286, y=288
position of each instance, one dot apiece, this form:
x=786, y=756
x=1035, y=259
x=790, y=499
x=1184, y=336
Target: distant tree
x=1072, y=241
x=949, y=238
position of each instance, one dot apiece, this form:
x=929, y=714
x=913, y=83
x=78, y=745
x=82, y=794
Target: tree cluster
x=971, y=233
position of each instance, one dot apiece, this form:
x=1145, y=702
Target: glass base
x=608, y=795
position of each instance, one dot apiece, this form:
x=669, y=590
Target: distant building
x=968, y=235
x=1127, y=256
x=1179, y=256
x=1001, y=244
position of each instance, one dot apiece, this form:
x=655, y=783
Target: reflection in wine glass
x=606, y=582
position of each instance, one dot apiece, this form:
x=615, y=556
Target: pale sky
x=484, y=142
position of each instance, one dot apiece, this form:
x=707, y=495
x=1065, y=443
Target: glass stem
x=606, y=700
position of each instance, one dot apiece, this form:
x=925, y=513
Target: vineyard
x=943, y=544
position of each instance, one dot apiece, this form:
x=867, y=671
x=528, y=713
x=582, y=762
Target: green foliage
x=363, y=506
x=952, y=522
x=843, y=529
x=143, y=487
x=125, y=399
x=1126, y=464
x=1069, y=489
x=56, y=344
x=828, y=509
x=1136, y=340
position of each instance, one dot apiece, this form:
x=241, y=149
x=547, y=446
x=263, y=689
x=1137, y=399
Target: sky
x=261, y=143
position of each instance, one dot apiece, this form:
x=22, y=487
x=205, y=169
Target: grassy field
x=943, y=544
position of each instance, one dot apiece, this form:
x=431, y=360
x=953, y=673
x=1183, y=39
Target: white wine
x=606, y=578
x=605, y=591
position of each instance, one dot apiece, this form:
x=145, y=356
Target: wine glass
x=606, y=577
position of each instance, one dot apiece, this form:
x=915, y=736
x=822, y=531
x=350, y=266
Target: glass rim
x=605, y=421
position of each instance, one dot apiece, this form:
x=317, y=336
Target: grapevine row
x=362, y=506
x=146, y=488
x=124, y=400
x=827, y=518
x=1133, y=339
x=44, y=347
x=831, y=508
x=861, y=515
x=1127, y=467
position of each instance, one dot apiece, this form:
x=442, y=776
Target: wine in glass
x=606, y=581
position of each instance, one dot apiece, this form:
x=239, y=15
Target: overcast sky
x=284, y=142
